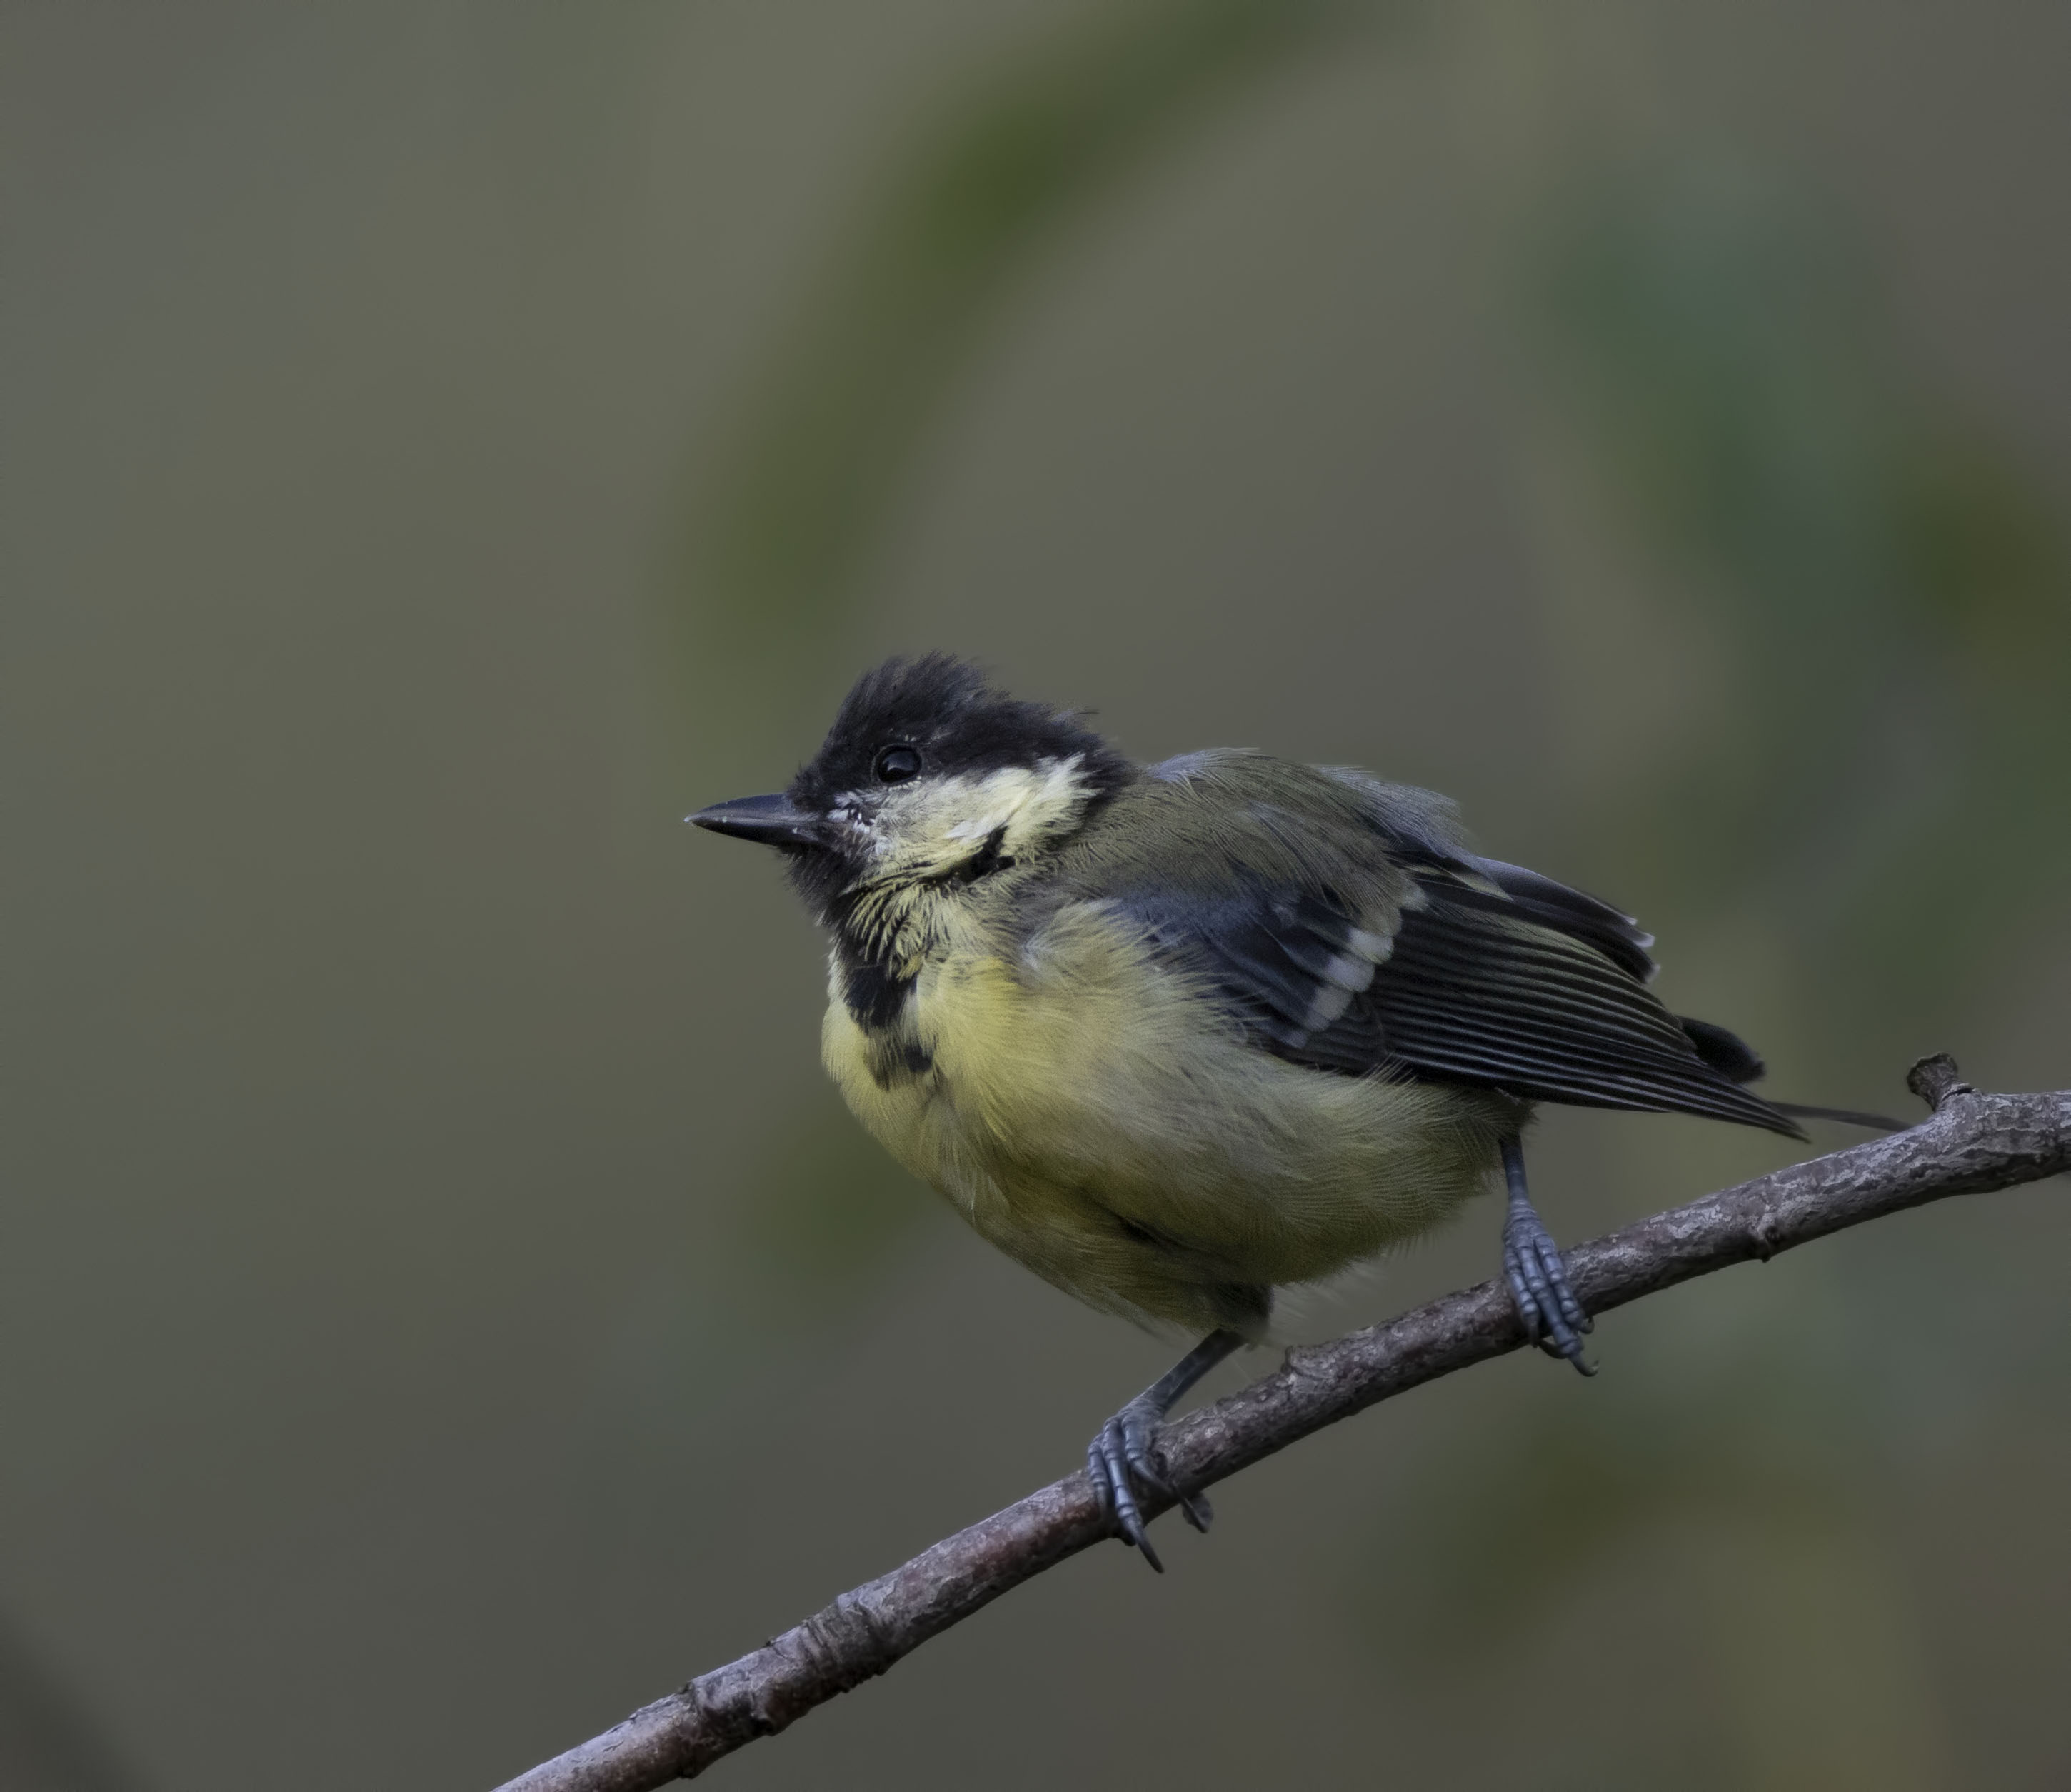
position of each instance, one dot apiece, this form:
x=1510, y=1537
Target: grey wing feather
x=1473, y=996
x=1291, y=965
x=1614, y=933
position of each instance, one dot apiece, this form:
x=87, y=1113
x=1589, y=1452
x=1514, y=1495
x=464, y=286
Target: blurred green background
x=440, y=1305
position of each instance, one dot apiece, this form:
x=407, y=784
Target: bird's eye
x=895, y=764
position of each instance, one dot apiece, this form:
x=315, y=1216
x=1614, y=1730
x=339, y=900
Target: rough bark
x=1970, y=1144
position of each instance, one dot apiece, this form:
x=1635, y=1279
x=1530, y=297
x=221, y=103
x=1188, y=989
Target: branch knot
x=1935, y=1079
x=1761, y=1234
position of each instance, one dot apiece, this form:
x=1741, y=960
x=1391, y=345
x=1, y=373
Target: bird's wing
x=1445, y=967
x=1291, y=964
x=1473, y=994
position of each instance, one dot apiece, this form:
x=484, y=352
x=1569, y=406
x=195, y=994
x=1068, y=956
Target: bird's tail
x=1738, y=1062
x=1847, y=1116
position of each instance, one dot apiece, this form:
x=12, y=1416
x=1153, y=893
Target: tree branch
x=1971, y=1143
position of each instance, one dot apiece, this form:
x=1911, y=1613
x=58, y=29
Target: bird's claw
x=1553, y=1319
x=1125, y=1465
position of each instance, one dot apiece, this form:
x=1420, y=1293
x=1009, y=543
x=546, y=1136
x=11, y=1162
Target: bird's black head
x=928, y=776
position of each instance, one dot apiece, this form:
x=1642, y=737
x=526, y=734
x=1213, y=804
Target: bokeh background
x=442, y=1306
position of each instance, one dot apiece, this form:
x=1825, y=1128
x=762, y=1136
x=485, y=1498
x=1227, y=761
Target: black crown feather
x=945, y=708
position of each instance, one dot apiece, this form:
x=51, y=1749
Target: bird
x=1178, y=1036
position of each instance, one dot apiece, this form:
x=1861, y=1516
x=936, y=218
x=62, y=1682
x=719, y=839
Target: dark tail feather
x=1847, y=1116
x=1738, y=1062
x=1727, y=1053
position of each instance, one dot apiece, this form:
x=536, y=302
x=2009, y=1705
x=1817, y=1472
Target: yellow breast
x=1101, y=1120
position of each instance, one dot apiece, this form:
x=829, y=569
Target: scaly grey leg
x=1553, y=1319
x=1123, y=1458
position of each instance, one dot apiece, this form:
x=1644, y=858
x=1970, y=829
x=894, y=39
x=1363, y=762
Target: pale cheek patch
x=1021, y=804
x=1051, y=803
x=929, y=829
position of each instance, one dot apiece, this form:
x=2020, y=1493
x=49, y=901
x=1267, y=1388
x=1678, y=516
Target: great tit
x=1176, y=1035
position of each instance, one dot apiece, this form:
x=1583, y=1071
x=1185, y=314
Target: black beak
x=775, y=821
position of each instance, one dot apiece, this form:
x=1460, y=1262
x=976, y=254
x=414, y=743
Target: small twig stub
x=1935, y=1079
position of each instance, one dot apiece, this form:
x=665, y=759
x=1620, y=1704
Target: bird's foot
x=1554, y=1319
x=1126, y=1467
